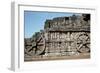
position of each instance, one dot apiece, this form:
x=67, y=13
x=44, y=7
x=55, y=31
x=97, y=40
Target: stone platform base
x=57, y=57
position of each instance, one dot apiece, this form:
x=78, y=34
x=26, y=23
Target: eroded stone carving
x=62, y=36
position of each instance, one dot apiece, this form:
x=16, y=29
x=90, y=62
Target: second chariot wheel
x=83, y=43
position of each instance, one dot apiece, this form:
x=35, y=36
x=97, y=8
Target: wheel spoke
x=29, y=48
x=79, y=42
x=80, y=46
x=87, y=46
x=40, y=44
x=87, y=39
x=39, y=39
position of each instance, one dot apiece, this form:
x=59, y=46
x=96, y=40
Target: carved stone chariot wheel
x=83, y=43
x=36, y=47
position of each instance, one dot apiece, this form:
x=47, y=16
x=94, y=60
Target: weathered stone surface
x=63, y=36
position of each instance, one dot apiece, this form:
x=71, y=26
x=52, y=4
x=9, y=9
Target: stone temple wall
x=64, y=36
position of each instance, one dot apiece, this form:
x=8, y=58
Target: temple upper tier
x=71, y=23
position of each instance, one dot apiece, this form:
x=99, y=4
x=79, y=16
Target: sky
x=34, y=21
